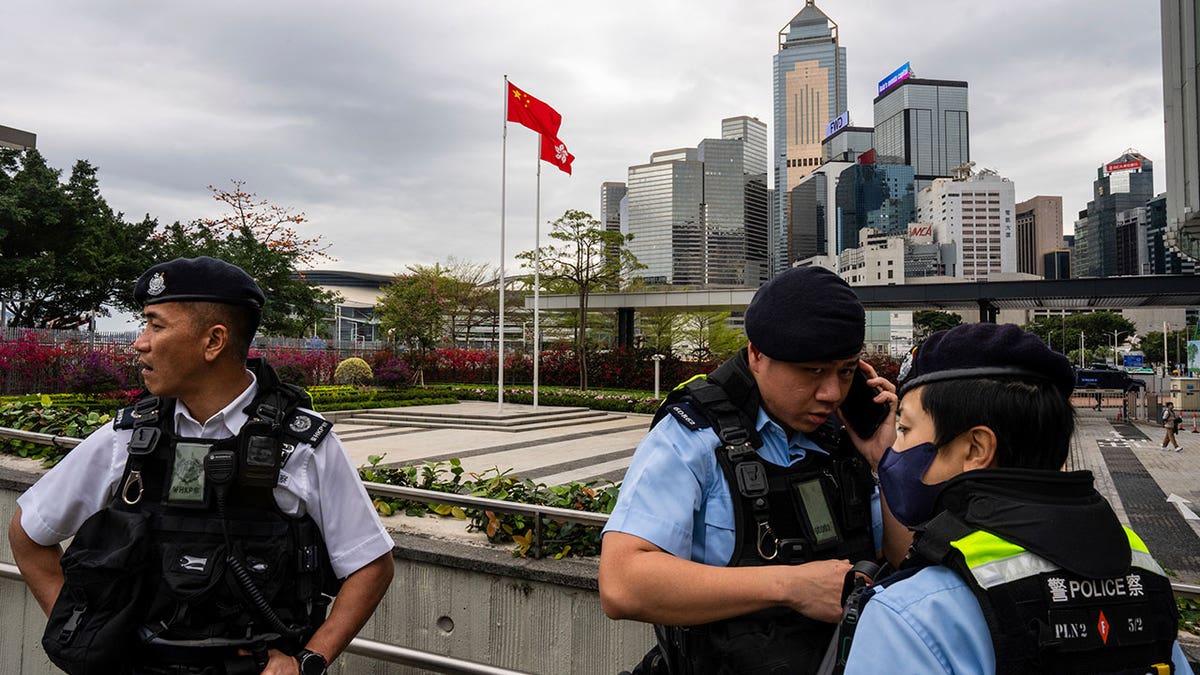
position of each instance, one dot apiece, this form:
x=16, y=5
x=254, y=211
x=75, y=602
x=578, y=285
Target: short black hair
x=241, y=320
x=1032, y=420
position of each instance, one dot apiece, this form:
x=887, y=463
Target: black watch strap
x=311, y=663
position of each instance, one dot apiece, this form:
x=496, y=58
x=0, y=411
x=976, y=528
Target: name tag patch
x=1089, y=614
x=187, y=474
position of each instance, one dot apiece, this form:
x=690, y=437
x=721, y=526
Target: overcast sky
x=382, y=120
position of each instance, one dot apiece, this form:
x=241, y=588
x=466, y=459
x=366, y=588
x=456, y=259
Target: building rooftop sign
x=837, y=125
x=1122, y=166
x=899, y=75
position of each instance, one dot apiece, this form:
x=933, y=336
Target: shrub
x=94, y=373
x=353, y=371
x=393, y=372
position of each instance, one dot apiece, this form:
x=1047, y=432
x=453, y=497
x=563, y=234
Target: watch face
x=311, y=663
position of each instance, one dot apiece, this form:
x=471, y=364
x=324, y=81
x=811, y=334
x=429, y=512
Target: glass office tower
x=1181, y=108
x=1125, y=183
x=698, y=216
x=878, y=196
x=809, y=92
x=924, y=124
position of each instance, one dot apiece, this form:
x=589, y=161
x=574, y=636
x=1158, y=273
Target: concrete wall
x=461, y=600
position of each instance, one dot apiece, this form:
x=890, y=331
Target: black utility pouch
x=93, y=625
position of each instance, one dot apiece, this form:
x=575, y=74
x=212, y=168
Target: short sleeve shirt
x=316, y=480
x=930, y=623
x=675, y=495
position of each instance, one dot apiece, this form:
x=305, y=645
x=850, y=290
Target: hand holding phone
x=859, y=411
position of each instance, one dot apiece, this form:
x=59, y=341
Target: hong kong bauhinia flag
x=555, y=152
x=530, y=112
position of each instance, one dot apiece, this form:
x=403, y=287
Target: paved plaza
x=1131, y=470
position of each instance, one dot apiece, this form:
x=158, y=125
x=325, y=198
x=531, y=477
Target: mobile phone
x=859, y=411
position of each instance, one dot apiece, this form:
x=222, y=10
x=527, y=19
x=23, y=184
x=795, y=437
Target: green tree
x=1177, y=345
x=1062, y=333
x=64, y=253
x=469, y=301
x=261, y=238
x=585, y=258
x=413, y=312
x=710, y=335
x=931, y=321
x=660, y=328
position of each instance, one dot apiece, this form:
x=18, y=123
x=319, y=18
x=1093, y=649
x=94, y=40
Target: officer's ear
x=216, y=339
x=981, y=448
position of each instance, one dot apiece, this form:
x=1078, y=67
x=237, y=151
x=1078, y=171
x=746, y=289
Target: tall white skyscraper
x=978, y=216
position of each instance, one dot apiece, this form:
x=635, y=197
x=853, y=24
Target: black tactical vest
x=816, y=509
x=227, y=568
x=1069, y=592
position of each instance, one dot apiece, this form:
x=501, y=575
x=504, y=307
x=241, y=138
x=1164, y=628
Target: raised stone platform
x=473, y=415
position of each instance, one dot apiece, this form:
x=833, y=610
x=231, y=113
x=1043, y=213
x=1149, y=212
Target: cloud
x=382, y=120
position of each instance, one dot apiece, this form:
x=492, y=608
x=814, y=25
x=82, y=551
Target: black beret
x=200, y=279
x=985, y=350
x=806, y=314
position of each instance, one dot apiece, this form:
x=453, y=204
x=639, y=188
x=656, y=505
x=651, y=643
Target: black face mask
x=908, y=497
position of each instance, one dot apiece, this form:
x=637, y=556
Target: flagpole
x=537, y=270
x=503, y=194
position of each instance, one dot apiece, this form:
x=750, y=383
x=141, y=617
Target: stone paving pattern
x=1130, y=469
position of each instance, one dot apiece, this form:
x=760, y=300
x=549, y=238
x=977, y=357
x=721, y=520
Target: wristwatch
x=311, y=663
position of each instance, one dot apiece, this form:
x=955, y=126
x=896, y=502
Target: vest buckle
x=740, y=452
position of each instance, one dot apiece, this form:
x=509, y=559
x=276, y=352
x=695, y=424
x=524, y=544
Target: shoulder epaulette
x=688, y=415
x=306, y=427
x=127, y=418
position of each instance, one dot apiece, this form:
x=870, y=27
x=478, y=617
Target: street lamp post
x=1081, y=349
x=1115, y=334
x=657, y=358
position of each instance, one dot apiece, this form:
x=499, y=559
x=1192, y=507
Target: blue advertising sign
x=1134, y=360
x=901, y=74
x=836, y=125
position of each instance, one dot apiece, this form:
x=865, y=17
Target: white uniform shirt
x=319, y=481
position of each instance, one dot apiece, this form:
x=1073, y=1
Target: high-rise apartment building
x=809, y=91
x=1039, y=231
x=698, y=216
x=976, y=214
x=922, y=123
x=1125, y=183
x=1181, y=107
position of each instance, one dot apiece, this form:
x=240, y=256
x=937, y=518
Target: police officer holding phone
x=747, y=503
x=212, y=519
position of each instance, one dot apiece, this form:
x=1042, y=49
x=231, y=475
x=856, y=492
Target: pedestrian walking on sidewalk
x=1171, y=422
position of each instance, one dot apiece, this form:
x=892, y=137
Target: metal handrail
x=380, y=651
x=44, y=439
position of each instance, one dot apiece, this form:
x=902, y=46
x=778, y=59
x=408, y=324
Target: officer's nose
x=829, y=389
x=141, y=343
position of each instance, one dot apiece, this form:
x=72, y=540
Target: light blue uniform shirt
x=675, y=495
x=931, y=623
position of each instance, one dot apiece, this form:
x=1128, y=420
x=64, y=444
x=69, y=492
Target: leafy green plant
x=42, y=416
x=1189, y=614
x=559, y=539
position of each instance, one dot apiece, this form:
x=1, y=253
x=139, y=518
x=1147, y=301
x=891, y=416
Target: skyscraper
x=876, y=196
x=611, y=194
x=922, y=123
x=1125, y=183
x=1181, y=108
x=1039, y=231
x=1163, y=259
x=976, y=215
x=698, y=216
x=810, y=90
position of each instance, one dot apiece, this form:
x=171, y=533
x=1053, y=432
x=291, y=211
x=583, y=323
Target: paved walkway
x=1131, y=471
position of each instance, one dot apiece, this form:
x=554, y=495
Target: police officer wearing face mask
x=213, y=518
x=746, y=504
x=1015, y=566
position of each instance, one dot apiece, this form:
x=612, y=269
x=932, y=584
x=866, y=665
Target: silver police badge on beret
x=300, y=424
x=158, y=284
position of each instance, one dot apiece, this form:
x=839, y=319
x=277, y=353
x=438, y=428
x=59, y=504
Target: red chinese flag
x=527, y=110
x=555, y=152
